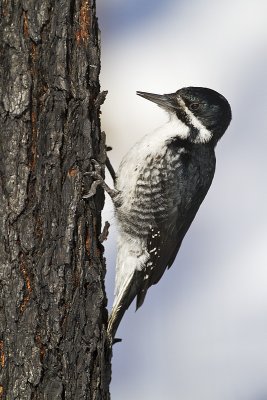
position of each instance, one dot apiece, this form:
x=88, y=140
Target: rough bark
x=52, y=299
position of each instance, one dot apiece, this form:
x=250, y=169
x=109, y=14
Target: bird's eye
x=194, y=106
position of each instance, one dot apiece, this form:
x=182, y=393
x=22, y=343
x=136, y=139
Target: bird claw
x=98, y=181
x=97, y=177
x=98, y=168
x=92, y=190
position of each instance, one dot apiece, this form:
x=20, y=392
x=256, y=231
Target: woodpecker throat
x=160, y=184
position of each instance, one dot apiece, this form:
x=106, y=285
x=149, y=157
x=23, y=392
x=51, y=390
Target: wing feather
x=181, y=198
x=168, y=194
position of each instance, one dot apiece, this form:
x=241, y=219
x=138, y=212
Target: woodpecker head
x=205, y=112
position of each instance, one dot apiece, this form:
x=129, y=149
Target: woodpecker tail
x=121, y=304
x=131, y=258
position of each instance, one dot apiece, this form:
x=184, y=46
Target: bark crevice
x=53, y=313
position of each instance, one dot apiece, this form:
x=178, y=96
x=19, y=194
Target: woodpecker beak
x=162, y=100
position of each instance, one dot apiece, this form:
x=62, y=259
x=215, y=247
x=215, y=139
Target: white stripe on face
x=204, y=135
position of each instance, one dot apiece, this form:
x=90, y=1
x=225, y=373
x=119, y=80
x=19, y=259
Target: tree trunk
x=52, y=299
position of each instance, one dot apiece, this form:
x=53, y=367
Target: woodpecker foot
x=99, y=181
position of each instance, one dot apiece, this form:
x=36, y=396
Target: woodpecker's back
x=161, y=182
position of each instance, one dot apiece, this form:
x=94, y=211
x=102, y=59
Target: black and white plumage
x=160, y=185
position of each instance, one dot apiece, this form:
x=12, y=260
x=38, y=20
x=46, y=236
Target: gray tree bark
x=52, y=299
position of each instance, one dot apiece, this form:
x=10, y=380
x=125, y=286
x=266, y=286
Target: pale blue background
x=202, y=332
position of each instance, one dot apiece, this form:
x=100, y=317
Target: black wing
x=182, y=194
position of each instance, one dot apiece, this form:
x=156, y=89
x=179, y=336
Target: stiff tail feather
x=122, y=302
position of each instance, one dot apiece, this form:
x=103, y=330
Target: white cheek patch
x=204, y=135
x=174, y=125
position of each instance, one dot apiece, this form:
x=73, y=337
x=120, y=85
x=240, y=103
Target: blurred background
x=202, y=331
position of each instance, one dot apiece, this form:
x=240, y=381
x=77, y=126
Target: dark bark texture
x=52, y=299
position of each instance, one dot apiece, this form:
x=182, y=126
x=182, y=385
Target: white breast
x=152, y=144
x=132, y=254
